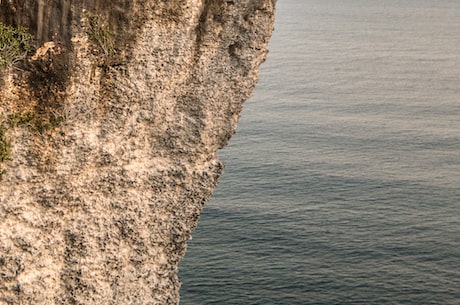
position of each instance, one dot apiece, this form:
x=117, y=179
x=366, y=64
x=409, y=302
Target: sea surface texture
x=342, y=185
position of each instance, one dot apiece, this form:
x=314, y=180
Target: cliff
x=109, y=125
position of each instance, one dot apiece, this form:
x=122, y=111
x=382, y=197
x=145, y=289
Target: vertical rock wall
x=113, y=154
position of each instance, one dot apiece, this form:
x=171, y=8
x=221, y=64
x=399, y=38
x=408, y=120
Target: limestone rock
x=111, y=130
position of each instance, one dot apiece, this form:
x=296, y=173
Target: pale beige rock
x=97, y=209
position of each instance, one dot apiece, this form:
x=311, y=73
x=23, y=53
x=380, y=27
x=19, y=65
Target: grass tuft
x=99, y=32
x=15, y=44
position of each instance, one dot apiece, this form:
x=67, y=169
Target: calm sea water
x=342, y=185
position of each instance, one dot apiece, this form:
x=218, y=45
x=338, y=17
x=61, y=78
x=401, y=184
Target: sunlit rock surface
x=112, y=148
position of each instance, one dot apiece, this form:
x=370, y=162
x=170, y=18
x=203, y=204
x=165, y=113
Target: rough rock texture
x=112, y=153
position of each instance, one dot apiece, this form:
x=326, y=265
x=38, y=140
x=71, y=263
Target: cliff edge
x=111, y=114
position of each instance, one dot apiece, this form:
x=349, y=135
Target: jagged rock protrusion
x=112, y=129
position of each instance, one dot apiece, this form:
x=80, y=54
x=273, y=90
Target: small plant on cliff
x=99, y=32
x=35, y=122
x=5, y=149
x=5, y=145
x=15, y=44
x=16, y=119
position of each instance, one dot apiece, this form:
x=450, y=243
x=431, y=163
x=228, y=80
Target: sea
x=342, y=184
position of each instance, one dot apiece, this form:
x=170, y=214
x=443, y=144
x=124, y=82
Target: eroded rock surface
x=112, y=148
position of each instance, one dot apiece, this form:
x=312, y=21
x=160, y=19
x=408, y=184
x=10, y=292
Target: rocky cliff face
x=108, y=138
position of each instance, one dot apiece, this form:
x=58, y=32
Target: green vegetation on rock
x=5, y=145
x=34, y=122
x=99, y=32
x=15, y=44
x=16, y=119
x=5, y=148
